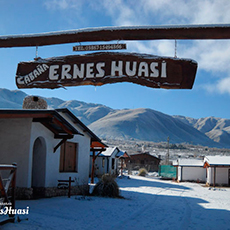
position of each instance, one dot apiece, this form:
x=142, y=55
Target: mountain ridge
x=136, y=124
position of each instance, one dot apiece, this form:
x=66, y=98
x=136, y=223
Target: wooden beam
x=3, y=191
x=214, y=177
x=59, y=123
x=23, y=114
x=59, y=144
x=221, y=31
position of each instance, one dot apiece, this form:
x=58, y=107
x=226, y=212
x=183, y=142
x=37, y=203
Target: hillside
x=86, y=112
x=217, y=129
x=136, y=124
x=149, y=125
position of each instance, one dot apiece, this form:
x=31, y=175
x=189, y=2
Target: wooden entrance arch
x=189, y=32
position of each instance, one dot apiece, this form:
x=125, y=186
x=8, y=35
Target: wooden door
x=68, y=157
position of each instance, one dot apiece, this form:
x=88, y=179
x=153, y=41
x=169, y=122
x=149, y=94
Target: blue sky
x=210, y=95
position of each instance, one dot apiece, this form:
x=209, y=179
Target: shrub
x=142, y=172
x=106, y=187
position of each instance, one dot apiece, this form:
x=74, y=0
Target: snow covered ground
x=150, y=203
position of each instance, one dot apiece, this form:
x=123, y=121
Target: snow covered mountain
x=136, y=124
x=217, y=129
x=149, y=125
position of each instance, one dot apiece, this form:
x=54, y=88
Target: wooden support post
x=92, y=170
x=93, y=163
x=69, y=192
x=14, y=185
x=5, y=190
x=214, y=178
x=69, y=185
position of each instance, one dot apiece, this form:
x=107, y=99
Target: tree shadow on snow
x=159, y=211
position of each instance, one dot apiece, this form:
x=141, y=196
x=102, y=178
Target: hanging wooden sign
x=107, y=67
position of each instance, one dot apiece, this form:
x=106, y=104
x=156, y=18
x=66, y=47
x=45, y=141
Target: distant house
x=218, y=170
x=144, y=160
x=106, y=161
x=190, y=170
x=47, y=145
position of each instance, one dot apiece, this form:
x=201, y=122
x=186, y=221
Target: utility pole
x=167, y=156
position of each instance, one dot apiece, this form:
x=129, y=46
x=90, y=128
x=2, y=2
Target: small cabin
x=190, y=170
x=144, y=160
x=105, y=161
x=218, y=170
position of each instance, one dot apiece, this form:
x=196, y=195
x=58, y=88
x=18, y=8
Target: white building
x=190, y=170
x=106, y=161
x=218, y=170
x=47, y=145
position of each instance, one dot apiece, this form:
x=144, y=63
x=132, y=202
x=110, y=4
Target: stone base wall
x=34, y=193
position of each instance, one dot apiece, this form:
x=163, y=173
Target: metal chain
x=175, y=48
x=36, y=54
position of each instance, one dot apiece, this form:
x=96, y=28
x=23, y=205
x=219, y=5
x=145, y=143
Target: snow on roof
x=145, y=153
x=217, y=160
x=109, y=151
x=189, y=162
x=112, y=28
x=120, y=153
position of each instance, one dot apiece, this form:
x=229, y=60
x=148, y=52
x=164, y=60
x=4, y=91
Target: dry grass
x=142, y=172
x=106, y=187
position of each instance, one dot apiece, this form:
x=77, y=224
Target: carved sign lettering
x=107, y=67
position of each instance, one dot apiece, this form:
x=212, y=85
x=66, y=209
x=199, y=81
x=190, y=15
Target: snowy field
x=149, y=203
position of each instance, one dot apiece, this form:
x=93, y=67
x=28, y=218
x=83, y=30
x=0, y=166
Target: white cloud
x=211, y=55
x=212, y=11
x=224, y=85
x=221, y=86
x=123, y=13
x=62, y=4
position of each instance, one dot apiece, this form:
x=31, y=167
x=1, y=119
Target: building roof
x=144, y=153
x=120, y=153
x=55, y=122
x=51, y=119
x=109, y=151
x=95, y=141
x=217, y=160
x=188, y=162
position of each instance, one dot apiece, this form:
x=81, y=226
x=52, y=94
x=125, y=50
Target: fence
x=7, y=191
x=167, y=171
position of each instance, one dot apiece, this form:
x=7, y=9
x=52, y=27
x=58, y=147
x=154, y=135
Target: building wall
x=84, y=143
x=179, y=173
x=113, y=156
x=222, y=176
x=82, y=175
x=14, y=146
x=52, y=159
x=144, y=161
x=101, y=168
x=193, y=174
x=52, y=173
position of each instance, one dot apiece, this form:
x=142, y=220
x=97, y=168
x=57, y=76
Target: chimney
x=34, y=102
